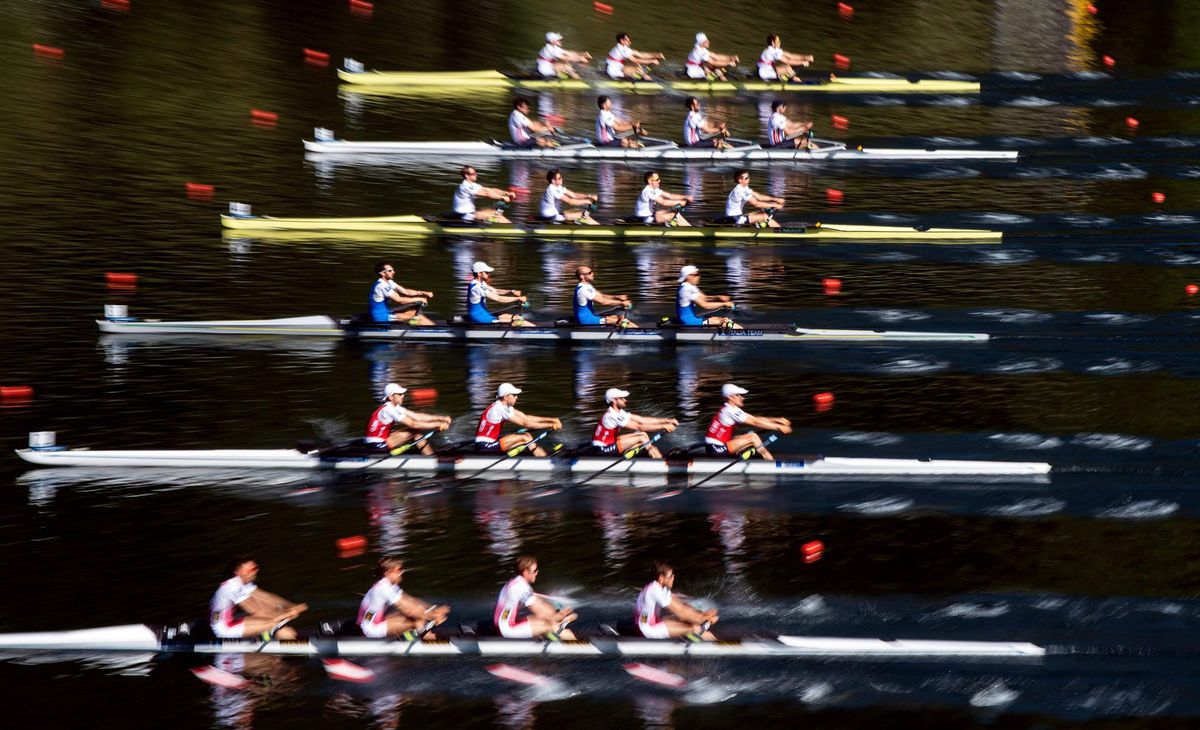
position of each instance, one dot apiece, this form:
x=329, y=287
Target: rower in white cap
x=554, y=61
x=392, y=424
x=688, y=296
x=704, y=64
x=487, y=435
x=608, y=440
x=775, y=64
x=719, y=439
x=480, y=291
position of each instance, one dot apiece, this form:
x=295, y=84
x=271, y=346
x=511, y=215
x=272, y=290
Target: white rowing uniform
x=490, y=423
x=606, y=130
x=515, y=594
x=546, y=59
x=552, y=207
x=648, y=613
x=383, y=420
x=229, y=594
x=695, y=62
x=464, y=199
x=693, y=128
x=735, y=204
x=616, y=61
x=777, y=128
x=519, y=128
x=372, y=611
x=766, y=63
x=644, y=210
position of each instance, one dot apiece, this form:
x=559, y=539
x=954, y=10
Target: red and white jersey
x=720, y=430
x=518, y=127
x=226, y=599
x=609, y=426
x=777, y=128
x=616, y=60
x=693, y=127
x=606, y=126
x=771, y=55
x=383, y=420
x=651, y=602
x=515, y=594
x=374, y=605
x=546, y=58
x=491, y=422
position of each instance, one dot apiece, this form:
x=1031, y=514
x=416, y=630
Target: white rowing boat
x=833, y=152
x=143, y=638
x=468, y=463
x=320, y=326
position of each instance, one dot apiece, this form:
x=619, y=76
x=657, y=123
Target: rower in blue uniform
x=586, y=295
x=480, y=291
x=410, y=300
x=689, y=296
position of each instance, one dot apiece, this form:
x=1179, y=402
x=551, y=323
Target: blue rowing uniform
x=477, y=311
x=377, y=302
x=584, y=314
x=685, y=308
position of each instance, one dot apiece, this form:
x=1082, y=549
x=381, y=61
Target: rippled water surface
x=1092, y=366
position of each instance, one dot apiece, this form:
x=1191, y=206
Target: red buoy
x=840, y=122
x=813, y=551
x=823, y=399
x=422, y=396
x=120, y=279
x=1192, y=290
x=1132, y=123
x=845, y=10
x=842, y=62
x=832, y=286
x=361, y=8
x=834, y=195
x=603, y=8
x=1158, y=197
x=353, y=542
x=1109, y=61
x=16, y=392
x=316, y=58
x=260, y=116
x=48, y=51
x=1092, y=9
x=121, y=6
x=198, y=191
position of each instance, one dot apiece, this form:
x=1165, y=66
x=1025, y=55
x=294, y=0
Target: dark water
x=1092, y=368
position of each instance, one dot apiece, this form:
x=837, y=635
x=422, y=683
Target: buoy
x=840, y=122
x=842, y=62
x=121, y=6
x=361, y=8
x=845, y=10
x=316, y=58
x=813, y=551
x=14, y=392
x=422, y=396
x=48, y=51
x=120, y=279
x=834, y=195
x=832, y=286
x=823, y=399
x=1132, y=123
x=198, y=191
x=603, y=8
x=1109, y=61
x=1192, y=289
x=1158, y=197
x=263, y=117
x=353, y=542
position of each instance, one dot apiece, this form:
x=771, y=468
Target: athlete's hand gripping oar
x=626, y=456
x=514, y=451
x=742, y=455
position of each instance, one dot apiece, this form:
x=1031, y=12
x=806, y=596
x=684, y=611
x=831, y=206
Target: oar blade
x=220, y=677
x=514, y=674
x=647, y=673
x=348, y=671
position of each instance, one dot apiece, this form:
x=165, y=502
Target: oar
x=401, y=449
x=742, y=455
x=270, y=635
x=511, y=453
x=623, y=457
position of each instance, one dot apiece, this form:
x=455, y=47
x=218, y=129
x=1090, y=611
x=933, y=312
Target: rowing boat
x=467, y=81
x=653, y=151
x=321, y=326
x=469, y=463
x=414, y=224
x=146, y=639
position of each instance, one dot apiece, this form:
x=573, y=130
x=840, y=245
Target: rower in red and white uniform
x=783, y=132
x=719, y=439
x=608, y=440
x=698, y=131
x=775, y=64
x=386, y=610
x=526, y=132
x=554, y=61
x=241, y=609
x=487, y=434
x=523, y=614
x=393, y=425
x=685, y=621
x=626, y=64
x=468, y=190
x=704, y=64
x=614, y=132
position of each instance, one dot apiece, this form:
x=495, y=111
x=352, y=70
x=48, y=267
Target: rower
x=554, y=61
x=487, y=435
x=392, y=424
x=410, y=300
x=526, y=132
x=613, y=132
x=775, y=64
x=699, y=132
x=258, y=613
x=783, y=132
x=741, y=196
x=656, y=206
x=586, y=296
x=704, y=64
x=558, y=195
x=607, y=440
x=386, y=610
x=468, y=190
x=686, y=620
x=540, y=619
x=689, y=296
x=624, y=63
x=719, y=439
x=480, y=292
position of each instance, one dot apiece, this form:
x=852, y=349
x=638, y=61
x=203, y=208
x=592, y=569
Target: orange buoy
x=353, y=542
x=1132, y=123
x=1158, y=197
x=845, y=10
x=832, y=286
x=602, y=8
x=48, y=51
x=834, y=195
x=259, y=115
x=1192, y=289
x=361, y=8
x=121, y=279
x=840, y=122
x=823, y=399
x=813, y=551
x=842, y=62
x=422, y=396
x=1109, y=61
x=13, y=392
x=118, y=5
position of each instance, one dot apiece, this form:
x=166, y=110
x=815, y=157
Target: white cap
x=552, y=37
x=700, y=37
x=479, y=267
x=687, y=271
x=507, y=389
x=613, y=393
x=393, y=389
x=729, y=390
